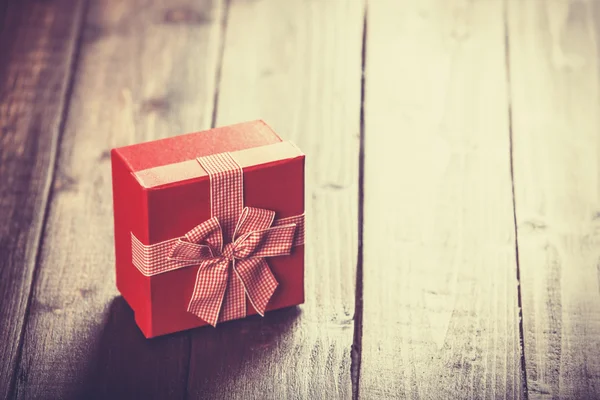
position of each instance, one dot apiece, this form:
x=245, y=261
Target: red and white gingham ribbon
x=230, y=248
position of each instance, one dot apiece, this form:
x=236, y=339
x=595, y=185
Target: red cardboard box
x=161, y=191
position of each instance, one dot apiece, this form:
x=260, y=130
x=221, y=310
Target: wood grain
x=147, y=70
x=555, y=87
x=440, y=291
x=37, y=47
x=297, y=65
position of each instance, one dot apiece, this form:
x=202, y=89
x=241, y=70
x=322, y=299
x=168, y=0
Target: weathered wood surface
x=299, y=70
x=146, y=70
x=37, y=47
x=452, y=90
x=554, y=75
x=440, y=316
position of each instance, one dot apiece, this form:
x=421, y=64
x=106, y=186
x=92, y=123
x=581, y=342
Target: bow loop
x=270, y=242
x=253, y=219
x=209, y=233
x=201, y=243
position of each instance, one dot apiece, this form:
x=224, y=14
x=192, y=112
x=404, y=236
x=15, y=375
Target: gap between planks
x=358, y=309
x=514, y=204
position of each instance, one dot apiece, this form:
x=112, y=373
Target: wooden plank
x=297, y=65
x=440, y=316
x=555, y=85
x=147, y=71
x=37, y=47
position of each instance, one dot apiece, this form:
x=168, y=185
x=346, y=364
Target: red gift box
x=184, y=247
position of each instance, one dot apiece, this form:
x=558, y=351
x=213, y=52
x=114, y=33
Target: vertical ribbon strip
x=226, y=190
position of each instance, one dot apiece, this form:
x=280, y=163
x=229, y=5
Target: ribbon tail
x=234, y=302
x=258, y=280
x=209, y=291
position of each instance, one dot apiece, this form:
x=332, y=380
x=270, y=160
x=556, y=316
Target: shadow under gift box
x=158, y=204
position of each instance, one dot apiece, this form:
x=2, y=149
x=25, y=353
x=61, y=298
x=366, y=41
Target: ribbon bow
x=216, y=287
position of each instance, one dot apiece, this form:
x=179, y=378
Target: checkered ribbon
x=230, y=248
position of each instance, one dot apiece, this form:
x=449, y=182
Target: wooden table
x=453, y=194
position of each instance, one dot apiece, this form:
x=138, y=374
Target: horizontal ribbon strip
x=154, y=259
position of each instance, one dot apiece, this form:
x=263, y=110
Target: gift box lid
x=165, y=161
